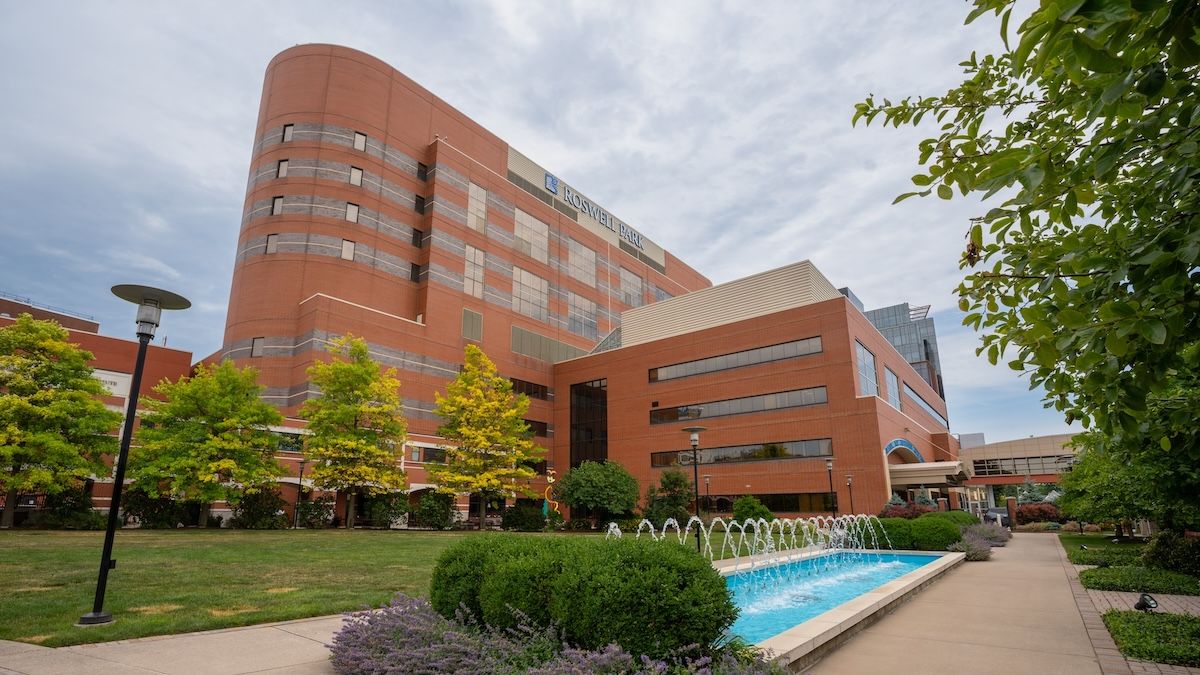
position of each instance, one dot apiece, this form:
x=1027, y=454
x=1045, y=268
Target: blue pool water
x=776, y=598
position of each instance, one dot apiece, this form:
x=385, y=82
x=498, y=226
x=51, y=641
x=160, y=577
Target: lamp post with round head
x=150, y=302
x=695, y=439
x=829, y=468
x=850, y=487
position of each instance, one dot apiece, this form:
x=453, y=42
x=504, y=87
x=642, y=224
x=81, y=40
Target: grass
x=1140, y=580
x=1100, y=547
x=1162, y=638
x=178, y=581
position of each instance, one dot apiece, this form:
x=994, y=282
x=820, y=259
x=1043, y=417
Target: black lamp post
x=850, y=487
x=150, y=302
x=299, y=495
x=829, y=468
x=695, y=438
x=708, y=491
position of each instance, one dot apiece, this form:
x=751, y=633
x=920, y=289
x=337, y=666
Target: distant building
x=1037, y=459
x=911, y=332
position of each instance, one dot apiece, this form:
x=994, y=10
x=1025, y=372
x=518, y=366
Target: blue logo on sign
x=551, y=183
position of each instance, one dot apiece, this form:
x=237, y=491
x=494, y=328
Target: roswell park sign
x=608, y=220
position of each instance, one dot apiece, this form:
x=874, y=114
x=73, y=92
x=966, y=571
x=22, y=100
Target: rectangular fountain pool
x=776, y=598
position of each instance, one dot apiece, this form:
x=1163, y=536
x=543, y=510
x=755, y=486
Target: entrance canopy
x=927, y=474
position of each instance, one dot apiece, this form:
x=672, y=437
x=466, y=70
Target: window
x=256, y=347
x=916, y=398
x=288, y=130
x=476, y=208
x=747, y=357
x=660, y=294
x=867, y=384
x=581, y=316
x=581, y=262
x=893, y=387
x=528, y=343
x=347, y=249
x=531, y=389
x=419, y=204
x=272, y=243
x=472, y=325
x=414, y=273
x=541, y=429
x=281, y=169
x=796, y=398
x=418, y=238
x=352, y=212
x=276, y=206
x=530, y=295
x=631, y=288
x=589, y=422
x=532, y=237
x=473, y=272
x=355, y=176
x=821, y=447
x=360, y=141
x=422, y=172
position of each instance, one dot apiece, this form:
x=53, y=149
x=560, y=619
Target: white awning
x=929, y=474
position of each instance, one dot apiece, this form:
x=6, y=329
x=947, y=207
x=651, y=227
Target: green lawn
x=177, y=581
x=1101, y=547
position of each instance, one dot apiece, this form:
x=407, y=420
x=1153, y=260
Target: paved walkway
x=1167, y=604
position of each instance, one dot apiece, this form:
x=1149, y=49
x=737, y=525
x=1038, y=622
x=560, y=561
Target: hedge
x=956, y=517
x=648, y=597
x=1172, y=551
x=1139, y=580
x=934, y=534
x=895, y=531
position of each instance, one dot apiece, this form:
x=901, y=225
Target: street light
x=150, y=302
x=695, y=438
x=707, y=491
x=850, y=487
x=829, y=468
x=299, y=494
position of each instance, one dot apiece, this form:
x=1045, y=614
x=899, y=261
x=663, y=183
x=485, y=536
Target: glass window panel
x=360, y=141
x=352, y=212
x=476, y=208
x=355, y=176
x=531, y=236
x=347, y=249
x=276, y=206
x=473, y=272
x=281, y=169
x=272, y=243
x=288, y=131
x=867, y=383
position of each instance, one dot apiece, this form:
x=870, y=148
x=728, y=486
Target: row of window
x=869, y=386
x=737, y=406
x=360, y=144
x=916, y=398
x=821, y=447
x=795, y=502
x=348, y=247
x=748, y=357
x=1021, y=466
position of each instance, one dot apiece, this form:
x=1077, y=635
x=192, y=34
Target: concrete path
x=1012, y=614
x=293, y=647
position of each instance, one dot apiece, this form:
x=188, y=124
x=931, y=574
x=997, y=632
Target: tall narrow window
x=477, y=208
x=418, y=238
x=581, y=262
x=352, y=212
x=347, y=249
x=256, y=347
x=472, y=325
x=355, y=176
x=893, y=387
x=414, y=273
x=868, y=384
x=281, y=169
x=422, y=172
x=530, y=295
x=272, y=243
x=360, y=141
x=419, y=204
x=532, y=237
x=581, y=316
x=631, y=288
x=277, y=206
x=288, y=129
x=473, y=272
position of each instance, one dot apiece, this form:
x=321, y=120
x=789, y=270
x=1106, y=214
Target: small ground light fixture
x=1146, y=603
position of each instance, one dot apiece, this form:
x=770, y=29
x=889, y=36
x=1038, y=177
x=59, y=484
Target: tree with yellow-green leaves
x=208, y=439
x=53, y=426
x=492, y=453
x=357, y=425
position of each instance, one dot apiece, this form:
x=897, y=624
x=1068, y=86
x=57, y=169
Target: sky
x=719, y=130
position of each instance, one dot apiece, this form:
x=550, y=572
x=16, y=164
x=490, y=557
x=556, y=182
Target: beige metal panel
x=765, y=293
x=1038, y=446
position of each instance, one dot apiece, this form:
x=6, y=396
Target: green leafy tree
x=53, y=427
x=747, y=507
x=670, y=498
x=1086, y=271
x=606, y=487
x=208, y=439
x=357, y=427
x=492, y=452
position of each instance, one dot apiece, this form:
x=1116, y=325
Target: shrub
x=992, y=533
x=908, y=510
x=384, y=510
x=579, y=524
x=1037, y=512
x=524, y=517
x=956, y=517
x=316, y=513
x=70, y=509
x=260, y=510
x=976, y=547
x=606, y=487
x=597, y=591
x=155, y=512
x=894, y=531
x=1139, y=580
x=747, y=507
x=434, y=511
x=1091, y=528
x=669, y=499
x=1161, y=638
x=934, y=534
x=1172, y=551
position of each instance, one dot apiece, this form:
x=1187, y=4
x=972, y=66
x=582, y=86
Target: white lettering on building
x=603, y=217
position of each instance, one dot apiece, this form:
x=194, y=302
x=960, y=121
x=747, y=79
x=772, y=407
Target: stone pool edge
x=807, y=642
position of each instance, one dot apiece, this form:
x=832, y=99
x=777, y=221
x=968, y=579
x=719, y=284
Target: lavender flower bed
x=408, y=636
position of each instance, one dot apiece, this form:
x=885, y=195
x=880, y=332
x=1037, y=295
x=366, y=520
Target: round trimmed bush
x=957, y=517
x=462, y=569
x=934, y=534
x=898, y=533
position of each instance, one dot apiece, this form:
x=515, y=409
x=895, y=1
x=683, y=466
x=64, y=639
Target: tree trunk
x=10, y=508
x=205, y=509
x=482, y=509
x=350, y=504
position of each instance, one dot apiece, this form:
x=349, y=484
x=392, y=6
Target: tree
x=600, y=486
x=53, y=426
x=491, y=452
x=357, y=424
x=670, y=498
x=1088, y=271
x=208, y=439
